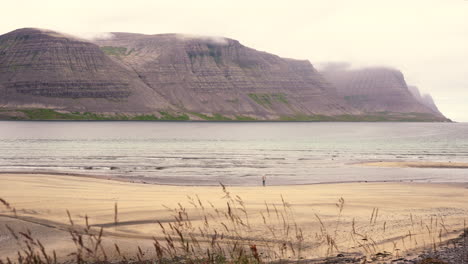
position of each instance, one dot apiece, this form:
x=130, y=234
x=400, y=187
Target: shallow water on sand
x=202, y=153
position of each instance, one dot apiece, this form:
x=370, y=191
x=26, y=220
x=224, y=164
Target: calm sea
x=197, y=153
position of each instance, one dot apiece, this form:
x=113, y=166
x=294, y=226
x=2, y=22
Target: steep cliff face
x=207, y=75
x=425, y=99
x=378, y=90
x=43, y=68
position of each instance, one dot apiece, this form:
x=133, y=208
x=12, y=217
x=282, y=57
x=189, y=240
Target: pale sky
x=426, y=39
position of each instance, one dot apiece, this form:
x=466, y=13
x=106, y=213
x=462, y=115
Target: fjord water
x=203, y=153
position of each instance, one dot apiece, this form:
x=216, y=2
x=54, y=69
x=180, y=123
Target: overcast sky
x=427, y=40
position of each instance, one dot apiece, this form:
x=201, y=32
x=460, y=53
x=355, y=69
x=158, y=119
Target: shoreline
x=226, y=121
x=138, y=180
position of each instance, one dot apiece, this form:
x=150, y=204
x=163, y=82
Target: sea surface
x=206, y=153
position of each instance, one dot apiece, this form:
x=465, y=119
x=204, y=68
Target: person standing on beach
x=264, y=180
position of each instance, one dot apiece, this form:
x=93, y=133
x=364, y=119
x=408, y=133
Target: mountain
x=380, y=90
x=221, y=76
x=50, y=75
x=45, y=69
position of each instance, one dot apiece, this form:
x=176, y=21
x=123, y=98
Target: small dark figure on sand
x=264, y=180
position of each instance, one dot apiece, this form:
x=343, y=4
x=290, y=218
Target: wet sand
x=41, y=202
x=417, y=164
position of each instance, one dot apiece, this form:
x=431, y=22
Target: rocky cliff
x=48, y=75
x=380, y=90
x=45, y=69
x=208, y=75
x=425, y=99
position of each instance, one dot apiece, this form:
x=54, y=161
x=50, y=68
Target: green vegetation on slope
x=220, y=117
x=116, y=51
x=245, y=118
x=50, y=114
x=267, y=100
x=168, y=116
x=214, y=117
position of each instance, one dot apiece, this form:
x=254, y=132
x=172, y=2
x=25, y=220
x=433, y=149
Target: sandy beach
x=397, y=217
